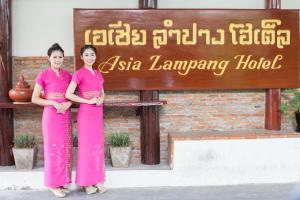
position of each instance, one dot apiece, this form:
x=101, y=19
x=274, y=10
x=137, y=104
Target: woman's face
x=56, y=59
x=88, y=57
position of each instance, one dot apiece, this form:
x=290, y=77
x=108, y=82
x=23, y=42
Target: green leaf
x=119, y=140
x=24, y=141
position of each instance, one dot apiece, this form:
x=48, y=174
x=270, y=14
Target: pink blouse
x=54, y=86
x=89, y=85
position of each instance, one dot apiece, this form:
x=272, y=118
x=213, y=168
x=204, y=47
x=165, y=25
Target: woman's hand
x=93, y=101
x=59, y=107
x=65, y=106
x=99, y=101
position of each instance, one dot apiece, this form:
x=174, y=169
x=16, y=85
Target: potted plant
x=292, y=104
x=120, y=149
x=24, y=151
x=75, y=148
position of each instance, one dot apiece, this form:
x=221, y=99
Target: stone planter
x=120, y=156
x=24, y=158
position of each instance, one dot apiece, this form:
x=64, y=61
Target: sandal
x=58, y=192
x=100, y=188
x=90, y=189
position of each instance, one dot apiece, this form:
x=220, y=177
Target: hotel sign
x=191, y=49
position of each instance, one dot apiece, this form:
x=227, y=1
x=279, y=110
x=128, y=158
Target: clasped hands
x=62, y=107
x=96, y=100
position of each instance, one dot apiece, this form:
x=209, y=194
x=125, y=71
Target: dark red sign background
x=287, y=57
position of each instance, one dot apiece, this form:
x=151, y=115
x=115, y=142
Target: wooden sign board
x=191, y=49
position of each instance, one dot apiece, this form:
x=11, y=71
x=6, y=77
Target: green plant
x=24, y=141
x=293, y=101
x=119, y=140
x=75, y=140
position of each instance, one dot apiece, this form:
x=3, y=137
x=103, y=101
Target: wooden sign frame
x=181, y=49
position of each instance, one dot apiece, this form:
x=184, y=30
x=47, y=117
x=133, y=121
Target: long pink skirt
x=57, y=136
x=90, y=161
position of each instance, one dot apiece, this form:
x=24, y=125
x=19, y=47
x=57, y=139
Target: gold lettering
x=205, y=32
x=122, y=65
x=278, y=57
x=202, y=64
x=184, y=67
x=252, y=64
x=87, y=37
x=212, y=63
x=109, y=64
x=261, y=63
x=193, y=64
x=136, y=65
x=221, y=39
x=242, y=63
x=99, y=37
x=283, y=38
x=266, y=64
x=222, y=66
x=181, y=65
x=186, y=34
x=167, y=65
x=139, y=37
x=121, y=34
x=156, y=59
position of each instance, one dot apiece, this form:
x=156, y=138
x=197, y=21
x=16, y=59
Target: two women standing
x=58, y=86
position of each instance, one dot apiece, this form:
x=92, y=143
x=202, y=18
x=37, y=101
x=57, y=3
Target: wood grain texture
x=149, y=116
x=233, y=77
x=6, y=115
x=273, y=96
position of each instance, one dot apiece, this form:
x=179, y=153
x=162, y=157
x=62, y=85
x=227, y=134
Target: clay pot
x=22, y=92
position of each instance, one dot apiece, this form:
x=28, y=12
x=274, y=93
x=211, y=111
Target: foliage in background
x=24, y=141
x=293, y=101
x=75, y=140
x=119, y=140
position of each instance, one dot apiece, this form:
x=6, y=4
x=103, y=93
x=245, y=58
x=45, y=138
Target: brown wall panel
x=202, y=63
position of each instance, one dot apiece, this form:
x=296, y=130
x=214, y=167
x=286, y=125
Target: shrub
x=119, y=140
x=24, y=141
x=292, y=101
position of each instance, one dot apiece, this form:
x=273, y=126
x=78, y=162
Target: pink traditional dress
x=57, y=133
x=90, y=161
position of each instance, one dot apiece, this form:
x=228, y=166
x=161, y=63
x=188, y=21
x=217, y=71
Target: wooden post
x=273, y=96
x=147, y=4
x=273, y=4
x=150, y=134
x=273, y=115
x=6, y=115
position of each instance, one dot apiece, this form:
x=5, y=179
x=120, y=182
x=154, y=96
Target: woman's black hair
x=55, y=47
x=87, y=46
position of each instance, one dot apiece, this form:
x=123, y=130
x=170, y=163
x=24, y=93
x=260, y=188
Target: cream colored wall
x=36, y=24
x=239, y=4
x=290, y=4
x=251, y=4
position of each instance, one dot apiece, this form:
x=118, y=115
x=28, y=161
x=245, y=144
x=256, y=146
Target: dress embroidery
x=98, y=152
x=91, y=94
x=55, y=95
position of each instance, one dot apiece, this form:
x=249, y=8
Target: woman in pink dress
x=90, y=161
x=56, y=123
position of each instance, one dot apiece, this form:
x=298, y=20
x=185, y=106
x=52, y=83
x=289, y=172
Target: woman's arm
x=101, y=98
x=73, y=97
x=103, y=94
x=36, y=99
